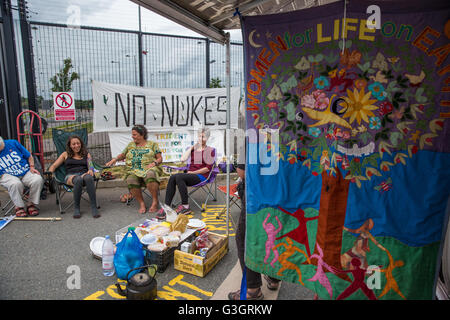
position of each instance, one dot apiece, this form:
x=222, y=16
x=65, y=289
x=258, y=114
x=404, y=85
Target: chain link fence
x=117, y=56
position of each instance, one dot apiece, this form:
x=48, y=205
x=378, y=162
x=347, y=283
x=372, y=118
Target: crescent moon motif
x=250, y=40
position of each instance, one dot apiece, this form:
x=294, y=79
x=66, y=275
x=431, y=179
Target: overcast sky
x=119, y=14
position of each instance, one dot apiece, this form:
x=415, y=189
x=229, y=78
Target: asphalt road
x=51, y=260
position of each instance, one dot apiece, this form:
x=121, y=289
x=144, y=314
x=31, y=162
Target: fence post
x=28, y=60
x=141, y=71
x=11, y=104
x=208, y=63
x=28, y=56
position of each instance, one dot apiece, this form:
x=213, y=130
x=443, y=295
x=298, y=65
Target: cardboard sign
x=172, y=144
x=64, y=106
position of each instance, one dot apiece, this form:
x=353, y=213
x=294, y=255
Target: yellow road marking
x=169, y=292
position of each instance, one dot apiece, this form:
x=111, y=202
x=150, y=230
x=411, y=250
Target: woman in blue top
x=16, y=171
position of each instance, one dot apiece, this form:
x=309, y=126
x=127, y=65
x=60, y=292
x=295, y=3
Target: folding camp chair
x=206, y=185
x=234, y=197
x=8, y=207
x=234, y=200
x=34, y=139
x=58, y=185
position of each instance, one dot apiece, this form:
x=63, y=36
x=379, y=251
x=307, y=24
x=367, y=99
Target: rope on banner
x=343, y=26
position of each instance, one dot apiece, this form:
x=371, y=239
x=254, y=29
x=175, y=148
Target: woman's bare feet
x=142, y=208
x=153, y=208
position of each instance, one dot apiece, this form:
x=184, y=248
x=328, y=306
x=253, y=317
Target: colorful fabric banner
x=356, y=208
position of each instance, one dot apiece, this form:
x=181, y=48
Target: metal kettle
x=141, y=286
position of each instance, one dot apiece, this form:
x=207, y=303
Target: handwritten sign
x=171, y=144
x=119, y=108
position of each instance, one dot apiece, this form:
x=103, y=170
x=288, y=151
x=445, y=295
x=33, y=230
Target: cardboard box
x=200, y=266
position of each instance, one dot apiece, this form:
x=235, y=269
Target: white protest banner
x=119, y=107
x=64, y=106
x=171, y=144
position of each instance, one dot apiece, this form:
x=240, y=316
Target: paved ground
x=39, y=260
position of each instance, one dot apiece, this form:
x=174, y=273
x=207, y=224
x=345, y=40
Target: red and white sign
x=64, y=106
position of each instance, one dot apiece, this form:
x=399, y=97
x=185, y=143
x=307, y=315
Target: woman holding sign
x=142, y=159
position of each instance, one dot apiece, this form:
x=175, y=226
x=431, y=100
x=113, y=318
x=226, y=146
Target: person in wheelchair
x=79, y=173
x=202, y=159
x=17, y=171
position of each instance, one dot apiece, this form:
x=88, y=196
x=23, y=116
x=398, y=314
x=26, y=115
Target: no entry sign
x=64, y=106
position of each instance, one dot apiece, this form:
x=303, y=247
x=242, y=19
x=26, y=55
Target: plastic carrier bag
x=129, y=255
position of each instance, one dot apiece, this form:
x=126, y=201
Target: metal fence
x=118, y=56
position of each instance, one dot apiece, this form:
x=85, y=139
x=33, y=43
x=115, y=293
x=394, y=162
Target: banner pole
x=228, y=126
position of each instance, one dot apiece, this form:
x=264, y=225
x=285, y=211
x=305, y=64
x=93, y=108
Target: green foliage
x=215, y=83
x=62, y=81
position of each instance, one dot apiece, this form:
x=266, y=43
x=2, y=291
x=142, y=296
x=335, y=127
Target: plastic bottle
x=108, y=257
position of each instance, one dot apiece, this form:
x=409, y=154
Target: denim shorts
x=73, y=174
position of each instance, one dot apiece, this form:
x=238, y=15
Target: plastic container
x=108, y=257
x=141, y=222
x=149, y=239
x=163, y=258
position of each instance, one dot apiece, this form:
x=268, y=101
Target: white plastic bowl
x=148, y=239
x=96, y=246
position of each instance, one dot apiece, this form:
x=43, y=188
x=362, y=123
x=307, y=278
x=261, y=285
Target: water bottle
x=108, y=257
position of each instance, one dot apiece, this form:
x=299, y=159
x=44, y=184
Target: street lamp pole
x=135, y=67
x=118, y=63
x=165, y=77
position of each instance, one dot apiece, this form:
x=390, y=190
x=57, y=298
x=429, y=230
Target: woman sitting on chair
x=143, y=159
x=202, y=159
x=79, y=173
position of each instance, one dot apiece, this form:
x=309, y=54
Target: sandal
x=161, y=214
x=20, y=212
x=126, y=197
x=271, y=284
x=236, y=295
x=32, y=210
x=182, y=210
x=107, y=176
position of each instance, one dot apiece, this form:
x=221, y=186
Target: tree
x=62, y=81
x=359, y=116
x=215, y=83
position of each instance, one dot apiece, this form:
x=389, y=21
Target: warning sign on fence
x=64, y=106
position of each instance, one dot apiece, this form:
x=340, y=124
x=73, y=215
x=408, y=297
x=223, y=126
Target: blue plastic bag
x=129, y=255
